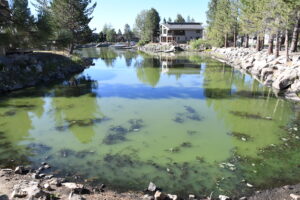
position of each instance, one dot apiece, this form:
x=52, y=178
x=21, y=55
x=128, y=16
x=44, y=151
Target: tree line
x=59, y=23
x=230, y=20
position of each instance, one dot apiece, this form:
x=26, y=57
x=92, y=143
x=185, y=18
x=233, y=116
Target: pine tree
x=23, y=24
x=74, y=17
x=44, y=21
x=152, y=24
x=179, y=19
x=128, y=33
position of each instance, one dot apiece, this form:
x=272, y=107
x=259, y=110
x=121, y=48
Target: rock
x=21, y=170
x=17, y=193
x=159, y=195
x=148, y=197
x=192, y=197
x=57, y=181
x=73, y=186
x=295, y=196
x=172, y=196
x=47, y=186
x=243, y=198
x=31, y=189
x=152, y=187
x=285, y=79
x=223, y=197
x=73, y=196
x=249, y=185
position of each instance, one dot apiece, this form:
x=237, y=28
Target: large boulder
x=285, y=79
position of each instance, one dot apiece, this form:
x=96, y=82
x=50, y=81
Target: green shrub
x=200, y=44
x=142, y=43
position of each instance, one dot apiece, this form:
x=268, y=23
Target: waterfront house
x=180, y=32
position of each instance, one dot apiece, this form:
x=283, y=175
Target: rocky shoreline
x=21, y=71
x=282, y=76
x=28, y=184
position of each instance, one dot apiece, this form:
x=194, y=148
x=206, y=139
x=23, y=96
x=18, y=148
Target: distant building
x=180, y=32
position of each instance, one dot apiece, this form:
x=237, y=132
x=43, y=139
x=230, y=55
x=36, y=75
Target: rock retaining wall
x=20, y=71
x=271, y=71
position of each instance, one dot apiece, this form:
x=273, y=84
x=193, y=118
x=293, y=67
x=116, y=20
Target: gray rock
x=152, y=187
x=159, y=195
x=285, y=79
x=223, y=197
x=295, y=196
x=73, y=196
x=73, y=186
x=172, y=196
x=148, y=197
x=21, y=170
x=18, y=193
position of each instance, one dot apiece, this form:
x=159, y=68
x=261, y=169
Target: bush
x=142, y=43
x=200, y=44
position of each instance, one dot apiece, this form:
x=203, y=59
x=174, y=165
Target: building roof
x=183, y=26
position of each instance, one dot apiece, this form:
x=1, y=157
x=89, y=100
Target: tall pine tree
x=73, y=16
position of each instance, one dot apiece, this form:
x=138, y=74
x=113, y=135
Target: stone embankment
x=20, y=71
x=159, y=48
x=23, y=183
x=269, y=70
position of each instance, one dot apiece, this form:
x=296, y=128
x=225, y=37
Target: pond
x=188, y=123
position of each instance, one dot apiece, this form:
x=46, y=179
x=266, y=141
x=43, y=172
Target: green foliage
x=179, y=19
x=200, y=44
x=63, y=38
x=142, y=43
x=111, y=35
x=74, y=16
x=128, y=34
x=147, y=25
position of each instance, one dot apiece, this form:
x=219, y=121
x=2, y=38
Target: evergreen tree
x=44, y=21
x=179, y=19
x=169, y=20
x=152, y=24
x=102, y=37
x=111, y=35
x=147, y=25
x=23, y=23
x=74, y=17
x=128, y=34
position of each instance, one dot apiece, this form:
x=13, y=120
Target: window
x=198, y=31
x=165, y=31
x=179, y=32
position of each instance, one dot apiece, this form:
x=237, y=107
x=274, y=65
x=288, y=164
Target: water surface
x=186, y=122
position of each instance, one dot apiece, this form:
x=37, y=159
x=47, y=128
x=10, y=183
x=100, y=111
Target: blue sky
x=119, y=12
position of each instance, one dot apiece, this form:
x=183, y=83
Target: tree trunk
x=247, y=41
x=271, y=44
x=72, y=48
x=295, y=36
x=281, y=42
x=287, y=45
x=258, y=43
x=234, y=38
x=262, y=46
x=225, y=42
x=277, y=44
x=242, y=41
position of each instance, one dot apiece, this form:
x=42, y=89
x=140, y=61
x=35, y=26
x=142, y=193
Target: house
x=180, y=32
